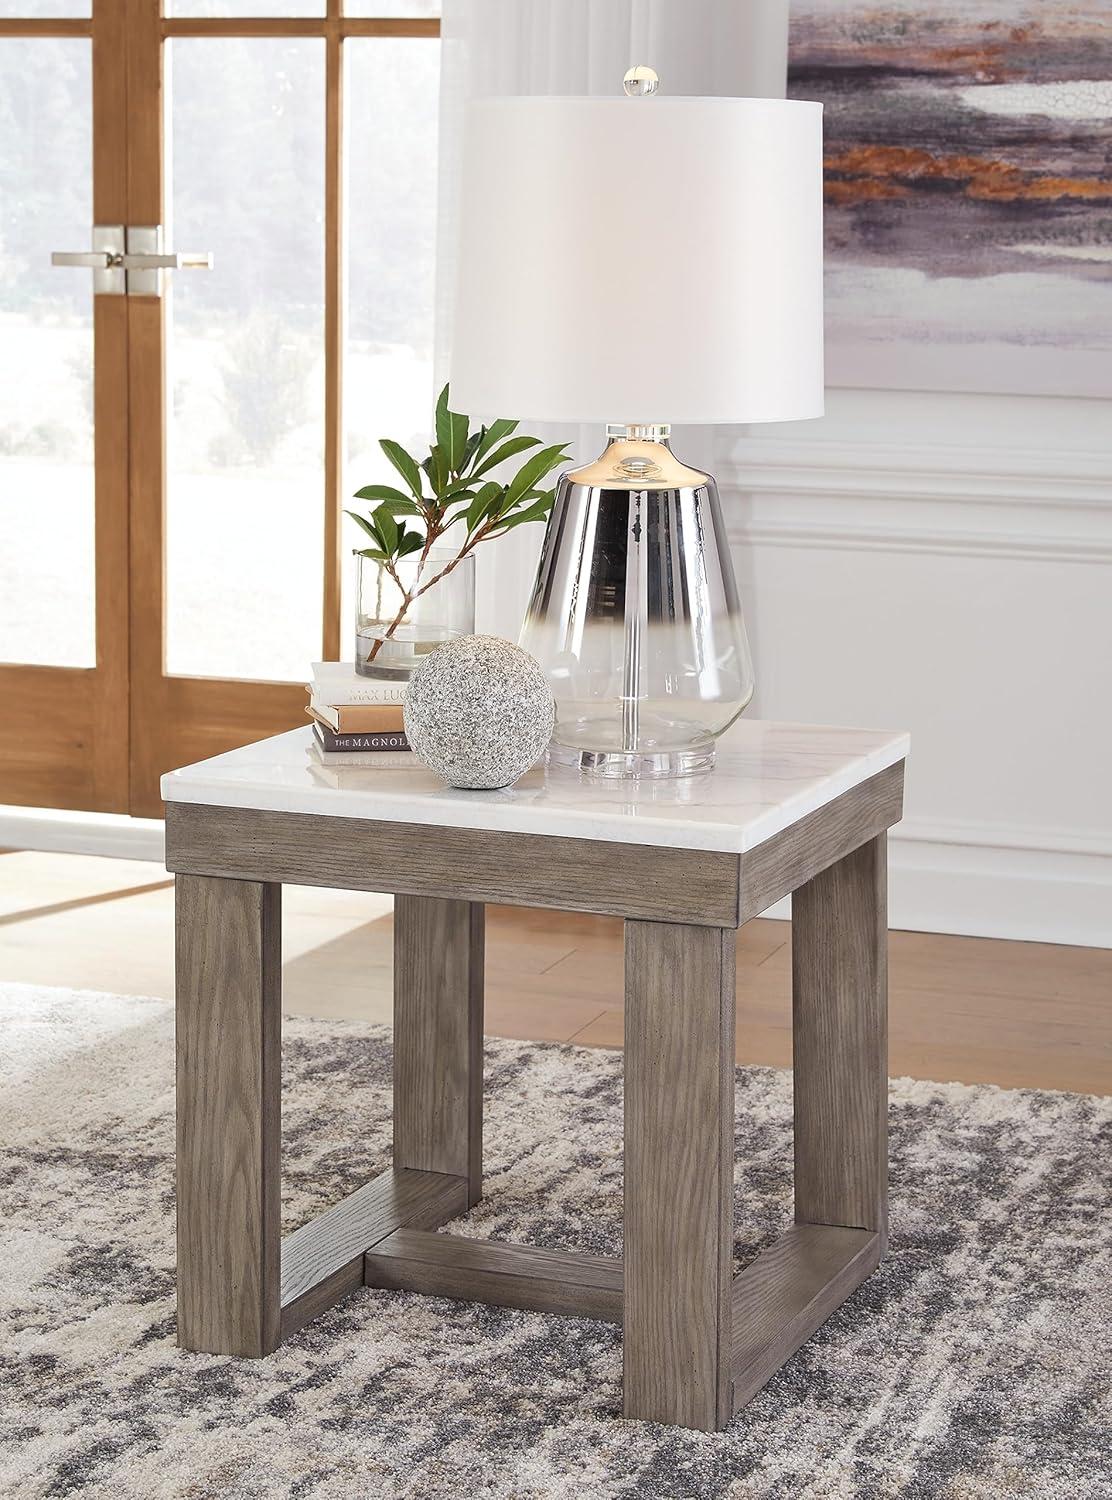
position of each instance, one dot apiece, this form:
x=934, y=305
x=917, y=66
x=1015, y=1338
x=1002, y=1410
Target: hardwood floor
x=967, y=1009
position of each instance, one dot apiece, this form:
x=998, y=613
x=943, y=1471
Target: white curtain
x=584, y=47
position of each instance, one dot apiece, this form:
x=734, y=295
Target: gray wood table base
x=699, y=1341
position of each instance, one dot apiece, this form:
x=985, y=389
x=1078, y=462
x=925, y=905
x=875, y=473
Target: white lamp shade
x=640, y=260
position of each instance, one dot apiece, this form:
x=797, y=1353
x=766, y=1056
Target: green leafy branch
x=448, y=489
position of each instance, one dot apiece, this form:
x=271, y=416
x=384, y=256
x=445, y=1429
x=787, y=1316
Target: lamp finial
x=641, y=81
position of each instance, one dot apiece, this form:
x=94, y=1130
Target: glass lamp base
x=635, y=617
x=633, y=765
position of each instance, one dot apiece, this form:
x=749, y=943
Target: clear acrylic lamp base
x=633, y=764
x=635, y=615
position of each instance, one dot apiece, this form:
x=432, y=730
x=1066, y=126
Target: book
x=337, y=684
x=346, y=744
x=327, y=767
x=357, y=718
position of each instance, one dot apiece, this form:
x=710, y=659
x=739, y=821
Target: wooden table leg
x=438, y=1037
x=840, y=990
x=679, y=1138
x=229, y=1023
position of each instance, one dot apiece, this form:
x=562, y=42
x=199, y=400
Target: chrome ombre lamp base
x=635, y=615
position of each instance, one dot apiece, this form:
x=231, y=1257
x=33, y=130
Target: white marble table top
x=767, y=777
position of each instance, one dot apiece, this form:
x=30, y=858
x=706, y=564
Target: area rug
x=973, y=1364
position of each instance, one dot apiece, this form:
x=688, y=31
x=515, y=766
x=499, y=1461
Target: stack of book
x=355, y=715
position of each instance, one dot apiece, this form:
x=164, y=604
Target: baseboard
x=978, y=890
x=59, y=831
x=1038, y=895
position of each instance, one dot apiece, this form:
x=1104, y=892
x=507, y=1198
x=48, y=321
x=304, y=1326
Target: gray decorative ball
x=479, y=712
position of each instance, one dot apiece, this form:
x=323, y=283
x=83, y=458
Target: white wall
x=940, y=563
x=944, y=563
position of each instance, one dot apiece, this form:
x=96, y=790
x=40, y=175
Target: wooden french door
x=63, y=414
x=172, y=553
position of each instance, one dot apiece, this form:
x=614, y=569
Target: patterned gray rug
x=973, y=1364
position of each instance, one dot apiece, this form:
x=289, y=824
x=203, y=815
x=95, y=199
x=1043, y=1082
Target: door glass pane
x=36, y=10
x=244, y=8
x=245, y=485
x=391, y=89
x=392, y=7
x=47, y=560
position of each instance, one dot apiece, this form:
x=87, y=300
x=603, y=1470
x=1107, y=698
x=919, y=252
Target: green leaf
x=459, y=441
x=459, y=498
x=494, y=434
x=537, y=512
x=533, y=469
x=458, y=492
x=380, y=492
x=451, y=433
x=451, y=521
x=443, y=422
x=542, y=497
x=362, y=521
x=413, y=541
x=400, y=507
x=471, y=448
x=405, y=465
x=486, y=497
x=368, y=552
x=387, y=530
x=437, y=469
x=507, y=450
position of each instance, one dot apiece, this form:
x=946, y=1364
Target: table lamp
x=640, y=261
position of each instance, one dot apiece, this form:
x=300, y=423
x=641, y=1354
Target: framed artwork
x=968, y=190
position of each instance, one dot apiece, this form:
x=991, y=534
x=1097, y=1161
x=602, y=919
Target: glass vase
x=403, y=614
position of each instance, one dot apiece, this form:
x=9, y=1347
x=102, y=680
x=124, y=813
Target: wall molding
x=953, y=474
x=946, y=501
x=1044, y=548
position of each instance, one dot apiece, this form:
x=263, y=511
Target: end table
x=789, y=809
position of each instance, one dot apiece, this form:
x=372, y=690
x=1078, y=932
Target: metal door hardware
x=131, y=259
x=145, y=260
x=106, y=259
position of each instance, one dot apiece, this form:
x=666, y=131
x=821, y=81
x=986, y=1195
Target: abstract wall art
x=968, y=190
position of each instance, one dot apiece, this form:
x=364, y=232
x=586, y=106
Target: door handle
x=94, y=260
x=131, y=259
x=172, y=260
x=105, y=259
x=145, y=260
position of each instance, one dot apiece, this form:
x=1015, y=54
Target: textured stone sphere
x=479, y=712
